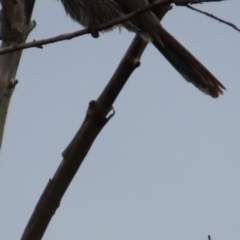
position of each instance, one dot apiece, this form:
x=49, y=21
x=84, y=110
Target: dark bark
x=98, y=114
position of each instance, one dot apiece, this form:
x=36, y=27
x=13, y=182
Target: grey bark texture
x=15, y=27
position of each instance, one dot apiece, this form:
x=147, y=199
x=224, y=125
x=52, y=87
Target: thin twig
x=125, y=18
x=183, y=2
x=214, y=17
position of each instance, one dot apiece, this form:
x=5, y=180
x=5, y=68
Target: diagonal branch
x=68, y=36
x=214, y=17
x=73, y=156
x=96, y=118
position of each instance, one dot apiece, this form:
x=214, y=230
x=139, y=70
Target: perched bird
x=90, y=13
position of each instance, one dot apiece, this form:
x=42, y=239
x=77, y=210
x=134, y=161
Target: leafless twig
x=67, y=36
x=214, y=17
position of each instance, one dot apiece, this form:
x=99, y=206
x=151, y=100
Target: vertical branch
x=15, y=27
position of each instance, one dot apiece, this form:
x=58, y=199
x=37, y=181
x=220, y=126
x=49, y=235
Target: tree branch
x=96, y=118
x=68, y=36
x=15, y=27
x=214, y=17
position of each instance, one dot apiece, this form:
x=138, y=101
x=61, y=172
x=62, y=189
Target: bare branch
x=96, y=118
x=214, y=17
x=184, y=3
x=73, y=156
x=68, y=36
x=15, y=27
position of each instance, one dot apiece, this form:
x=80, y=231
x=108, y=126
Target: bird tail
x=187, y=65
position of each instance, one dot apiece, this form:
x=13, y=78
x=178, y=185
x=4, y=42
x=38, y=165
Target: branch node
x=99, y=112
x=37, y=46
x=136, y=63
x=95, y=34
x=111, y=114
x=94, y=109
x=31, y=26
x=13, y=83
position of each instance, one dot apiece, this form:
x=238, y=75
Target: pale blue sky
x=167, y=166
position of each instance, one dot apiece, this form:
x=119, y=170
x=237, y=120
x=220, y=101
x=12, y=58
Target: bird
x=91, y=13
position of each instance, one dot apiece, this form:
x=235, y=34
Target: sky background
x=167, y=166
